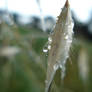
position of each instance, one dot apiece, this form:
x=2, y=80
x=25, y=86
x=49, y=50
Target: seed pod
x=61, y=42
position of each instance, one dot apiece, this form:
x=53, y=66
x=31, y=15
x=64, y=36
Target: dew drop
x=69, y=26
x=50, y=39
x=63, y=72
x=61, y=66
x=56, y=66
x=49, y=47
x=67, y=56
x=45, y=50
x=66, y=37
x=72, y=24
x=64, y=33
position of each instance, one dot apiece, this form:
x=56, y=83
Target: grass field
x=26, y=70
